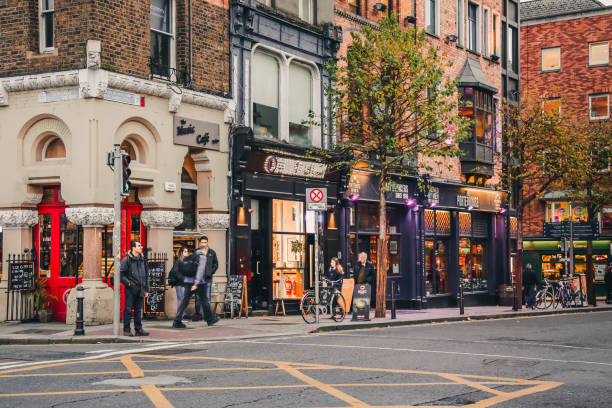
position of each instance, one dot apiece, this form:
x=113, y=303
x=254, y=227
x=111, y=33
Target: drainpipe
x=190, y=46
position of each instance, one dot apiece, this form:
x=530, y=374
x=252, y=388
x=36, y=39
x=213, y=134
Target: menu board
x=21, y=276
x=234, y=288
x=157, y=273
x=155, y=303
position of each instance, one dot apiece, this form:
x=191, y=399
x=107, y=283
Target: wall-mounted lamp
x=502, y=210
x=494, y=58
x=433, y=204
x=470, y=208
x=354, y=197
x=380, y=7
x=410, y=20
x=410, y=202
x=451, y=38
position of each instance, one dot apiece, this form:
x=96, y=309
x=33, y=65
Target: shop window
x=368, y=217
x=288, y=249
x=71, y=248
x=265, y=95
x=599, y=53
x=551, y=59
x=432, y=17
x=472, y=263
x=600, y=264
x=438, y=222
x=188, y=208
x=46, y=26
x=162, y=38
x=53, y=149
x=513, y=227
x=599, y=106
x=465, y=223
x=436, y=267
x=300, y=104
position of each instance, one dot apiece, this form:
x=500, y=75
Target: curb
x=356, y=326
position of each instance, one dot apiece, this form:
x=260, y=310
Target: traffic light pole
x=117, y=190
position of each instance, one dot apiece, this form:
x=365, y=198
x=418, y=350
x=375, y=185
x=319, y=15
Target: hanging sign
x=316, y=199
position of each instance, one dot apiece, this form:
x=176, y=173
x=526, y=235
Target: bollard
x=461, y=310
x=393, y=300
x=79, y=330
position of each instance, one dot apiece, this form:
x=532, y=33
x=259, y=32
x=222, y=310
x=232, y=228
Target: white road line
x=430, y=351
x=9, y=363
x=98, y=351
x=517, y=342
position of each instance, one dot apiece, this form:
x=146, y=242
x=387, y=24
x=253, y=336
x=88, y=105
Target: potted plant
x=41, y=297
x=296, y=248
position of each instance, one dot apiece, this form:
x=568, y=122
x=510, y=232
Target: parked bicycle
x=331, y=302
x=545, y=297
x=569, y=293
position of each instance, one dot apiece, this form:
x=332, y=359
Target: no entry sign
x=316, y=199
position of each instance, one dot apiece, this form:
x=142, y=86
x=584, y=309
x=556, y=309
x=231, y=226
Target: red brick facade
x=123, y=27
x=575, y=81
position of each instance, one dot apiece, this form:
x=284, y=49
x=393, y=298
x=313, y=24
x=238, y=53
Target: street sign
x=316, y=199
x=581, y=230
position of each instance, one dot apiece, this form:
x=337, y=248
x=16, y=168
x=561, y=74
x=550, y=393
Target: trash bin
x=505, y=295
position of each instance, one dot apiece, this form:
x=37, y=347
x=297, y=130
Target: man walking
x=135, y=280
x=207, y=266
x=529, y=282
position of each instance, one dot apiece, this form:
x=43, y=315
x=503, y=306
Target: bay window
x=478, y=105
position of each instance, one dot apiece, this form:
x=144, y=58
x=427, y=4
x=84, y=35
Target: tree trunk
x=518, y=262
x=590, y=275
x=381, y=249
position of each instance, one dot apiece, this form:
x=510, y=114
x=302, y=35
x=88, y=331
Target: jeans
x=180, y=292
x=198, y=300
x=133, y=301
x=203, y=293
x=530, y=295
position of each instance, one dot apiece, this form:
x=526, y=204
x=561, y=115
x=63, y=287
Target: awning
x=471, y=75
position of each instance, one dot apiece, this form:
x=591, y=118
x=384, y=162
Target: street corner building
x=76, y=78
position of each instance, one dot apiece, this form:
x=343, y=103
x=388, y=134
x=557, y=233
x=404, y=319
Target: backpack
x=189, y=266
x=174, y=277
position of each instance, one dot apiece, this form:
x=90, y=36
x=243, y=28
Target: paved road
x=556, y=361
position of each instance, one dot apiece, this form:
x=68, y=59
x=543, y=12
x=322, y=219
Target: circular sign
x=316, y=195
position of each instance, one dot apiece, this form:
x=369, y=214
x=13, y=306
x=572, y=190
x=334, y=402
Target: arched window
x=130, y=148
x=53, y=149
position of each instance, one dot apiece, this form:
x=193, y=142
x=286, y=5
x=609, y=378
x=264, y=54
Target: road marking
x=156, y=396
x=132, y=367
x=427, y=351
x=46, y=393
x=98, y=351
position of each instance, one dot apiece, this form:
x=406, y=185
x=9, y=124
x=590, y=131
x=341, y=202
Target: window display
x=288, y=241
x=71, y=248
x=552, y=268
x=472, y=263
x=436, y=267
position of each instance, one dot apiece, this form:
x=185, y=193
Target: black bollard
x=461, y=310
x=393, y=300
x=80, y=330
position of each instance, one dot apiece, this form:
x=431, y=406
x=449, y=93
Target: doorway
x=260, y=282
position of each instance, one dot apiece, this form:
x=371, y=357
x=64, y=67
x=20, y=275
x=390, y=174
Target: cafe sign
x=196, y=133
x=294, y=167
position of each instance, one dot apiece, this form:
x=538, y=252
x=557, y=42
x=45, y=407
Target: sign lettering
x=292, y=167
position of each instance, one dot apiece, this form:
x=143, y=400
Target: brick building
x=77, y=77
x=565, y=53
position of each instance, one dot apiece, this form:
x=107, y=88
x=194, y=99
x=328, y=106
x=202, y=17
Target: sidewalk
x=256, y=327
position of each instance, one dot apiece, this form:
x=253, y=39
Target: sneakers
x=127, y=332
x=141, y=333
x=196, y=318
x=215, y=320
x=178, y=325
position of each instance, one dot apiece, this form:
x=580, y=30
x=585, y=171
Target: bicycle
x=545, y=297
x=567, y=296
x=331, y=302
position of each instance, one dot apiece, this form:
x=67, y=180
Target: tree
x=394, y=104
x=589, y=180
x=539, y=153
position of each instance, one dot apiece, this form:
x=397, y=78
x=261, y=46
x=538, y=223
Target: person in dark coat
x=335, y=273
x=608, y=280
x=176, y=276
x=207, y=266
x=530, y=280
x=135, y=280
x=365, y=273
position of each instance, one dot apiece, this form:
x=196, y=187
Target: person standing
x=529, y=283
x=135, y=280
x=207, y=266
x=366, y=274
x=608, y=280
x=176, y=278
x=335, y=273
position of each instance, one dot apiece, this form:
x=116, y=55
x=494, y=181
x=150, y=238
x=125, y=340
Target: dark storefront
x=463, y=236
x=273, y=233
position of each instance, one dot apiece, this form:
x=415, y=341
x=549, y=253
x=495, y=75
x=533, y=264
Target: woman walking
x=175, y=277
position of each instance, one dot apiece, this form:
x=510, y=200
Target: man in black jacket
x=207, y=266
x=135, y=279
x=365, y=273
x=530, y=280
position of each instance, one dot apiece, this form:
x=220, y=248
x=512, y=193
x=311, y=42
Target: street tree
x=589, y=180
x=538, y=154
x=394, y=105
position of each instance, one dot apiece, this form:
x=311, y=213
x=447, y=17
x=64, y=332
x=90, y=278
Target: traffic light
x=126, y=184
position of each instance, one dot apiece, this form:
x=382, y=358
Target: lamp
x=451, y=38
x=410, y=20
x=354, y=197
x=470, y=208
x=433, y=204
x=410, y=202
x=502, y=210
x=380, y=7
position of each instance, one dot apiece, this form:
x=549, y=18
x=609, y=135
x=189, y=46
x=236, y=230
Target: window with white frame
x=46, y=26
x=473, y=30
x=432, y=16
x=513, y=54
x=307, y=10
x=460, y=23
x=285, y=93
x=495, y=41
x=551, y=59
x=599, y=53
x=485, y=31
x=162, y=37
x=599, y=106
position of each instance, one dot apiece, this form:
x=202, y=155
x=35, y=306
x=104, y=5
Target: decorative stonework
x=213, y=221
x=40, y=81
x=162, y=219
x=33, y=198
x=174, y=102
x=90, y=216
x=148, y=201
x=18, y=218
x=3, y=96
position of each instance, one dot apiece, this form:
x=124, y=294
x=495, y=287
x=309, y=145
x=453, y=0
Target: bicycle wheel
x=308, y=308
x=547, y=298
x=539, y=299
x=338, y=307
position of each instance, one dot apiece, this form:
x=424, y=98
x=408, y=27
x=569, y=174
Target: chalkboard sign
x=157, y=274
x=21, y=275
x=155, y=303
x=236, y=294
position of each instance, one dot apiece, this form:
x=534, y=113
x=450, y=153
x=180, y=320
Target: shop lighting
x=470, y=208
x=410, y=202
x=502, y=210
x=251, y=211
x=433, y=204
x=354, y=197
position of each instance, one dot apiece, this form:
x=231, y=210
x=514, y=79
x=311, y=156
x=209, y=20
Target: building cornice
x=567, y=16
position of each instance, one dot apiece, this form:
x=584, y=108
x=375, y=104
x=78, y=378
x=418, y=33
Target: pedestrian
x=530, y=280
x=608, y=280
x=366, y=274
x=207, y=266
x=135, y=279
x=335, y=273
x=176, y=278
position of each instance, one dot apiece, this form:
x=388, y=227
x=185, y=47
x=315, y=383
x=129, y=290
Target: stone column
x=160, y=226
x=98, y=302
x=16, y=236
x=215, y=227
